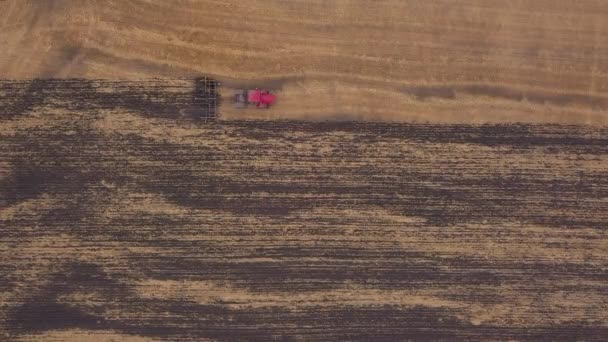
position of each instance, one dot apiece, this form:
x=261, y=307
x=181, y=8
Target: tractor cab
x=255, y=97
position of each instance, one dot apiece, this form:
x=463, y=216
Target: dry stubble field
x=123, y=222
x=439, y=61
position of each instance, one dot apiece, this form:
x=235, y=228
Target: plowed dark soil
x=195, y=99
x=119, y=222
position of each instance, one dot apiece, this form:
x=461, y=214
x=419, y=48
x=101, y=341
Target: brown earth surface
x=120, y=221
x=123, y=225
x=416, y=61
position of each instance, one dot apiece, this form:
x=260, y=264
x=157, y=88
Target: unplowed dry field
x=432, y=170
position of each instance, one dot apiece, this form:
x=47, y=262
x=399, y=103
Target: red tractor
x=256, y=97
